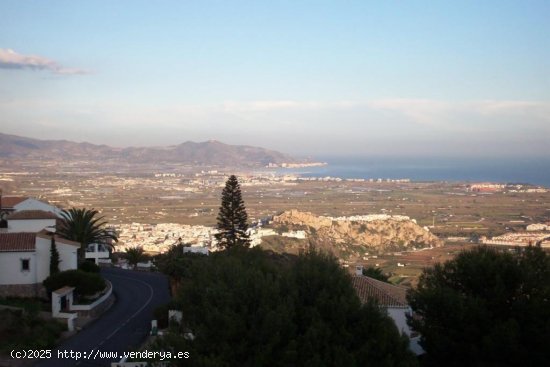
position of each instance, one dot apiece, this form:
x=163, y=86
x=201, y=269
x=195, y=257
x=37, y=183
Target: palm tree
x=85, y=226
x=135, y=255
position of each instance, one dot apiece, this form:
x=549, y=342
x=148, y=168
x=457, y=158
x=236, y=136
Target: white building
x=31, y=221
x=97, y=252
x=295, y=234
x=391, y=298
x=196, y=250
x=538, y=227
x=19, y=203
x=25, y=261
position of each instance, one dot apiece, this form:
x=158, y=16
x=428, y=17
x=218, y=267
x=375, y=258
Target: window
x=25, y=264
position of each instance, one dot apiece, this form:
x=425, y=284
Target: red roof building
x=8, y=203
x=32, y=214
x=384, y=294
x=17, y=242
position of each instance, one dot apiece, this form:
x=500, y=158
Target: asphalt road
x=123, y=327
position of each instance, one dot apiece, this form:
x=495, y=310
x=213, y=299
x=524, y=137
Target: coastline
x=531, y=171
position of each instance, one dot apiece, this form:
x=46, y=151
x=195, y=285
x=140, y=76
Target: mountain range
x=208, y=153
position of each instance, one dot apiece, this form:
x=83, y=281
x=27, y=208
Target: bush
x=30, y=305
x=89, y=267
x=22, y=330
x=485, y=308
x=249, y=307
x=375, y=273
x=85, y=284
x=282, y=229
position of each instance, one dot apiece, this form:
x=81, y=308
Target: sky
x=438, y=78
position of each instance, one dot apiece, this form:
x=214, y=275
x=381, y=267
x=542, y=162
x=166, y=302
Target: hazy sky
x=305, y=77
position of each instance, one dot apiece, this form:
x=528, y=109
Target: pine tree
x=54, y=258
x=232, y=218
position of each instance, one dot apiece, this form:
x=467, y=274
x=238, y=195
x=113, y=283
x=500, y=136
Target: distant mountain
x=211, y=153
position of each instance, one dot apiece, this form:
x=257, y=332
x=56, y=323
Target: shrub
x=85, y=283
x=89, y=267
x=376, y=273
x=248, y=307
x=20, y=330
x=485, y=308
x=283, y=228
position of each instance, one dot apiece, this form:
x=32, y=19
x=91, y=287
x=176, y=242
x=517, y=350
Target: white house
x=196, y=250
x=391, y=298
x=97, y=252
x=25, y=261
x=538, y=227
x=18, y=203
x=31, y=221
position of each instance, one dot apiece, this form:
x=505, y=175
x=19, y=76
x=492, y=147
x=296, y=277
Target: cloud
x=383, y=126
x=264, y=106
x=469, y=116
x=286, y=105
x=9, y=59
x=420, y=111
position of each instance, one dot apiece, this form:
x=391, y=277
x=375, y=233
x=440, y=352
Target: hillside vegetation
x=349, y=239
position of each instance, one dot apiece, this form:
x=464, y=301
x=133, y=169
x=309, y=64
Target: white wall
x=68, y=256
x=96, y=251
x=196, y=250
x=10, y=263
x=30, y=225
x=42, y=259
x=56, y=302
x=10, y=268
x=399, y=316
x=33, y=204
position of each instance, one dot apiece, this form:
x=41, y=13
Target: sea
x=534, y=171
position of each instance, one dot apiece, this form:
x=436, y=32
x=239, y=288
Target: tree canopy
x=232, y=218
x=248, y=307
x=85, y=226
x=135, y=255
x=485, y=308
x=375, y=273
x=85, y=284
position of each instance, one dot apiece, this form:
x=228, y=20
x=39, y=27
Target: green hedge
x=89, y=267
x=85, y=284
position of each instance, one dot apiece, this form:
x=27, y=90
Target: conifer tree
x=232, y=218
x=54, y=258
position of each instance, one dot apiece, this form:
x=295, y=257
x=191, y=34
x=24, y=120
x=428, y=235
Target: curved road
x=124, y=326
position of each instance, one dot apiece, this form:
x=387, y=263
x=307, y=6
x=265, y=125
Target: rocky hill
x=208, y=153
x=352, y=237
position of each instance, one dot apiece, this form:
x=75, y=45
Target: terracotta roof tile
x=385, y=294
x=32, y=214
x=9, y=202
x=15, y=242
x=48, y=235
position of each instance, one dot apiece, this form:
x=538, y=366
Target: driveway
x=123, y=327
